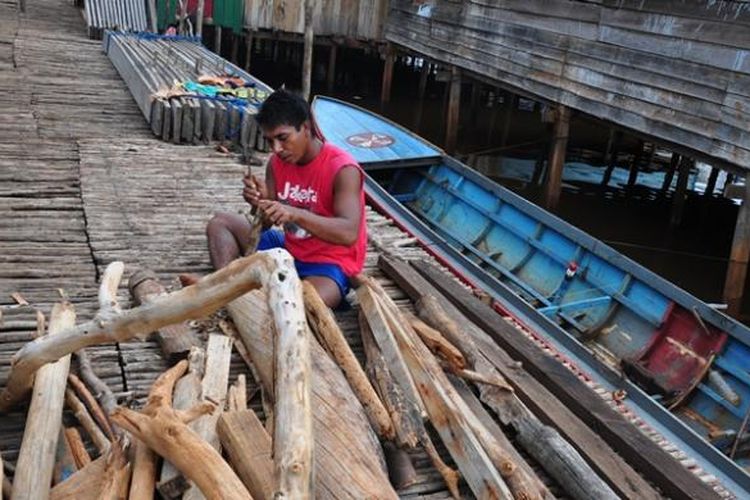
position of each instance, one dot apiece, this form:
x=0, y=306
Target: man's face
x=289, y=144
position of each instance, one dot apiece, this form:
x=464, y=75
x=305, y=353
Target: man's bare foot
x=188, y=279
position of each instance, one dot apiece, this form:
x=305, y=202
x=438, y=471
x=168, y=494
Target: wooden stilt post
x=610, y=154
x=199, y=18
x=734, y=286
x=331, y=74
x=476, y=92
x=152, y=15
x=493, y=118
x=635, y=165
x=235, y=48
x=217, y=39
x=673, y=164
x=454, y=102
x=553, y=185
x=510, y=105
x=308, y=50
x=711, y=183
x=248, y=49
x=385, y=89
x=678, y=202
x=423, y=75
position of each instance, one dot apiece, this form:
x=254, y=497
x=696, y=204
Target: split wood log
x=143, y=477
x=165, y=431
x=406, y=417
x=293, y=441
x=193, y=302
x=329, y=335
x=116, y=474
x=86, y=484
x=78, y=450
x=65, y=465
x=404, y=414
x=476, y=407
x=36, y=459
x=175, y=340
x=82, y=415
x=214, y=390
x=435, y=341
x=94, y=408
x=237, y=397
x=187, y=393
x=476, y=460
x=249, y=447
x=519, y=409
x=348, y=457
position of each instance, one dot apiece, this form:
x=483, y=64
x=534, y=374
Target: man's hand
x=254, y=190
x=277, y=213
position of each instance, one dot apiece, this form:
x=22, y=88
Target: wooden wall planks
x=665, y=69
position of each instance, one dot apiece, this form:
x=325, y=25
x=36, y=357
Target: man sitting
x=314, y=190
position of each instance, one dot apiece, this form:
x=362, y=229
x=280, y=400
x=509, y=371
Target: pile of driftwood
x=156, y=68
x=121, y=15
x=328, y=419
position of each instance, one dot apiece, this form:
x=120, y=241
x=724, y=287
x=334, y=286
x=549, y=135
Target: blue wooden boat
x=685, y=365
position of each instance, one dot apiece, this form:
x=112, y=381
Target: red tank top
x=311, y=187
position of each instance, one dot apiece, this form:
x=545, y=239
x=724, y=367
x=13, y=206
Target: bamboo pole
x=308, y=49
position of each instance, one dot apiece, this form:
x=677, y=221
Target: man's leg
x=228, y=237
x=327, y=289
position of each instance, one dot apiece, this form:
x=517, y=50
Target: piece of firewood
x=214, y=390
x=86, y=484
x=329, y=335
x=406, y=417
x=489, y=379
x=463, y=445
x=143, y=476
x=194, y=302
x=94, y=408
x=101, y=390
x=116, y=481
x=249, y=448
x=187, y=393
x=348, y=457
x=175, y=340
x=435, y=341
x=165, y=431
x=78, y=450
x=82, y=415
x=36, y=459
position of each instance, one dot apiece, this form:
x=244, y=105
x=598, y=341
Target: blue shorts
x=272, y=238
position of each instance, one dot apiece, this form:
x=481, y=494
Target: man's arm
x=343, y=227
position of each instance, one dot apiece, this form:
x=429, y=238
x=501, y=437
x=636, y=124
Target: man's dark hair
x=283, y=108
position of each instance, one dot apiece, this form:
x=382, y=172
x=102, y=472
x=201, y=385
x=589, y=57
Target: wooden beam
x=424, y=74
x=235, y=48
x=385, y=88
x=556, y=163
x=680, y=192
x=199, y=18
x=734, y=285
x=331, y=70
x=217, y=39
x=248, y=49
x=674, y=163
x=711, y=183
x=36, y=459
x=452, y=113
x=249, y=448
x=655, y=464
x=152, y=16
x=307, y=59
